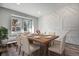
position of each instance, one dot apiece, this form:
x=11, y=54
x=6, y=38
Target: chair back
x=18, y=40
x=25, y=46
x=62, y=42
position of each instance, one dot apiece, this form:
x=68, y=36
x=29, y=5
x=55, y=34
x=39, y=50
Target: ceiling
x=35, y=9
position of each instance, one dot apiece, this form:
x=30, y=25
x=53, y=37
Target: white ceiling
x=35, y=9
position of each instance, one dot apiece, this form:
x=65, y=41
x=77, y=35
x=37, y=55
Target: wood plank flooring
x=70, y=50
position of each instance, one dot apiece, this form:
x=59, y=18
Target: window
x=20, y=24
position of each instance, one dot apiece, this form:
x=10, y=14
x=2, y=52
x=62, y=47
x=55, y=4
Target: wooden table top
x=42, y=39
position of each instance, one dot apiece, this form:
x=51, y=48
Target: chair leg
x=41, y=50
x=37, y=53
x=44, y=52
x=23, y=53
x=48, y=53
x=19, y=52
x=19, y=48
x=16, y=47
x=0, y=53
x=64, y=52
x=7, y=49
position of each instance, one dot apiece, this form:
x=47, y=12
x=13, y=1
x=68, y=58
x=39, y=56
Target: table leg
x=0, y=53
x=45, y=49
x=47, y=45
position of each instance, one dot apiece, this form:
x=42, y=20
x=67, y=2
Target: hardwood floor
x=70, y=50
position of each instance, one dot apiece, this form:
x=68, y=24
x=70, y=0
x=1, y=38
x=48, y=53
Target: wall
x=64, y=19
x=50, y=23
x=5, y=17
x=0, y=4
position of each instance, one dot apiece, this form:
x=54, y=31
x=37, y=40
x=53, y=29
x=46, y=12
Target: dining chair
x=18, y=46
x=18, y=40
x=59, y=48
x=26, y=47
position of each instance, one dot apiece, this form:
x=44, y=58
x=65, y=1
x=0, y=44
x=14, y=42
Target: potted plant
x=3, y=33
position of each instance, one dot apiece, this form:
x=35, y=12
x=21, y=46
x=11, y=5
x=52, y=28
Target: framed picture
x=15, y=25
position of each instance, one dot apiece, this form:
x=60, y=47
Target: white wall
x=65, y=18
x=50, y=23
x=71, y=22
x=5, y=18
x=0, y=4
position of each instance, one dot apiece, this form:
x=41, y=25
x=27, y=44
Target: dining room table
x=44, y=41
